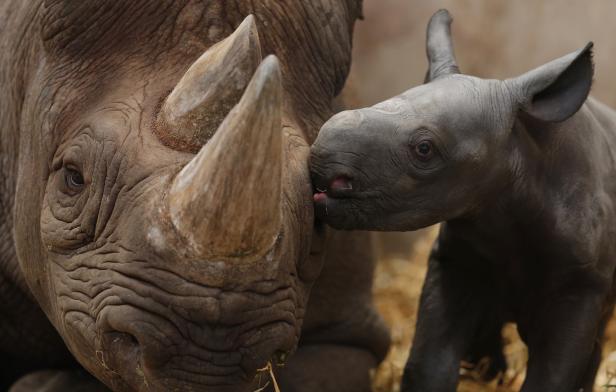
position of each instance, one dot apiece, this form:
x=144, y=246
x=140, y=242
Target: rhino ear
x=439, y=47
x=555, y=91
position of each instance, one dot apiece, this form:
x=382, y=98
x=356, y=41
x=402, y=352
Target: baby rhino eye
x=424, y=150
x=73, y=180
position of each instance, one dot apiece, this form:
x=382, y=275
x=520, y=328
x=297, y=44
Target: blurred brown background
x=493, y=39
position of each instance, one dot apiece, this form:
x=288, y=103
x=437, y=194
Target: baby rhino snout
x=342, y=170
x=345, y=157
x=333, y=155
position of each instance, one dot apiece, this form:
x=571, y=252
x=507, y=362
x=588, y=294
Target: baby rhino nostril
x=341, y=183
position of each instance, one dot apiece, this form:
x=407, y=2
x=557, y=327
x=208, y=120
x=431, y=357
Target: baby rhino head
x=441, y=150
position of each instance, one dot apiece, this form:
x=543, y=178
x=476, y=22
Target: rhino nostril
x=281, y=357
x=122, y=341
x=116, y=349
x=341, y=183
x=130, y=339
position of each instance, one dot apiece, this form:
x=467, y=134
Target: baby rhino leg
x=458, y=300
x=485, y=355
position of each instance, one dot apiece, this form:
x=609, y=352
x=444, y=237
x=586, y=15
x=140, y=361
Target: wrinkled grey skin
x=522, y=173
x=87, y=274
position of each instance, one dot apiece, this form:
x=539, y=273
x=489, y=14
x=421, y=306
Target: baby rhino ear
x=555, y=91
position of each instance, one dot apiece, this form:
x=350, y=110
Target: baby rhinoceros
x=523, y=174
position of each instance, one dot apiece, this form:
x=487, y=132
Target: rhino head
x=163, y=213
x=445, y=149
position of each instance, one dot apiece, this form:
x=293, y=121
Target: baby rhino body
x=523, y=174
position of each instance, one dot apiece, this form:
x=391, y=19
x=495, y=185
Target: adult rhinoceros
x=155, y=205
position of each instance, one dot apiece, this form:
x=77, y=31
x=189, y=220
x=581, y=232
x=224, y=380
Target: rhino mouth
x=329, y=197
x=340, y=186
x=340, y=199
x=148, y=352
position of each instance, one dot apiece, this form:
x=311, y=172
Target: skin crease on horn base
x=522, y=174
x=156, y=216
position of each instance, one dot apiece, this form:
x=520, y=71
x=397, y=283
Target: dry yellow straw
x=269, y=368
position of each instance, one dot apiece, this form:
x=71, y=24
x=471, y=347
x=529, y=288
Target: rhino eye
x=424, y=150
x=73, y=180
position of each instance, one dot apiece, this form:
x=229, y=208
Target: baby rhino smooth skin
x=522, y=173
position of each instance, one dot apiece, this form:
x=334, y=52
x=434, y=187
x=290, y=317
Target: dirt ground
x=397, y=288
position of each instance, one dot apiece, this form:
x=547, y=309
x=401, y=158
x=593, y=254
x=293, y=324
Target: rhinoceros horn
x=439, y=47
x=227, y=200
x=209, y=89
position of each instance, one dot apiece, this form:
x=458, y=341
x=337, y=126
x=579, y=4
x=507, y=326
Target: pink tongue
x=319, y=197
x=341, y=183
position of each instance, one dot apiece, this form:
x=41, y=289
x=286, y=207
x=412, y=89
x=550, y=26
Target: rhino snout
x=166, y=353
